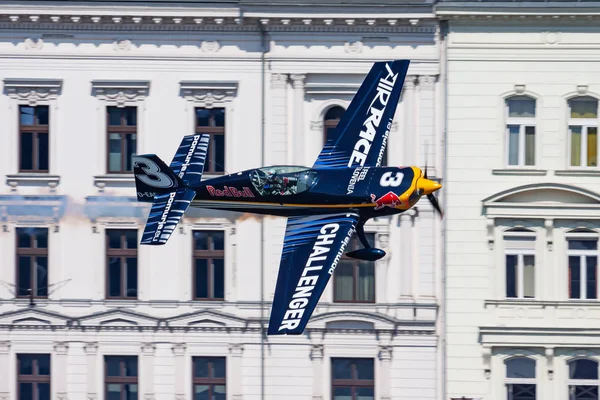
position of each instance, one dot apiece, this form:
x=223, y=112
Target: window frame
x=524, y=235
x=355, y=279
x=35, y=130
x=208, y=381
x=212, y=131
x=581, y=382
x=583, y=271
x=32, y=253
x=523, y=123
x=35, y=378
x=208, y=255
x=122, y=130
x=122, y=253
x=584, y=123
x=508, y=382
x=121, y=380
x=354, y=382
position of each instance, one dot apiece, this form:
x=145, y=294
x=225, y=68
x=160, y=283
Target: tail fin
x=168, y=188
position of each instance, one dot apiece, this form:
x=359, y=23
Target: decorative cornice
x=208, y=94
x=121, y=92
x=331, y=88
x=33, y=90
x=353, y=47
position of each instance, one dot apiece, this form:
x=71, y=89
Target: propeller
x=432, y=199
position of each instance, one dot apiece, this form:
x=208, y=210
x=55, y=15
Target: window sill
x=578, y=172
x=32, y=179
x=114, y=180
x=519, y=171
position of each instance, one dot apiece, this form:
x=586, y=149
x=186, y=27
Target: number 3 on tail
x=387, y=180
x=151, y=170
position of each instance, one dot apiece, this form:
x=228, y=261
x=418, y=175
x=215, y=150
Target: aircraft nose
x=428, y=186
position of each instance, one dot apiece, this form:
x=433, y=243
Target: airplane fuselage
x=294, y=190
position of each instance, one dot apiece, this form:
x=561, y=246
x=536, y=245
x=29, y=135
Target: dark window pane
x=520, y=367
x=219, y=117
x=219, y=392
x=342, y=393
x=201, y=392
x=132, y=276
x=200, y=240
x=511, y=276
x=26, y=364
x=41, y=273
x=201, y=367
x=583, y=369
x=131, y=366
x=218, y=239
x=26, y=391
x=131, y=392
x=574, y=277
x=114, y=116
x=218, y=367
x=201, y=278
x=41, y=236
x=583, y=244
x=131, y=116
x=43, y=364
x=342, y=368
x=219, y=143
x=365, y=393
x=43, y=391
x=130, y=151
x=43, y=115
x=521, y=107
x=24, y=237
x=584, y=392
x=114, y=156
x=26, y=151
x=113, y=366
x=202, y=117
x=364, y=369
x=114, y=239
x=114, y=392
x=365, y=290
x=219, y=278
x=24, y=275
x=591, y=278
x=42, y=151
x=335, y=112
x=584, y=107
x=344, y=281
x=114, y=276
x=131, y=238
x=26, y=115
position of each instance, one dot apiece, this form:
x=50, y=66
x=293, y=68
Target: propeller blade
x=435, y=204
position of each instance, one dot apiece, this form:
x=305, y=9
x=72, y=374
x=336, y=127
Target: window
x=583, y=129
x=520, y=379
x=209, y=265
x=121, y=377
x=354, y=280
x=520, y=130
x=33, y=133
x=122, y=137
x=583, y=268
x=352, y=379
x=212, y=121
x=33, y=376
x=209, y=378
x=520, y=265
x=583, y=379
x=122, y=269
x=331, y=119
x=32, y=262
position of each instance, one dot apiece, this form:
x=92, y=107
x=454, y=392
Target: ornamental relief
x=121, y=96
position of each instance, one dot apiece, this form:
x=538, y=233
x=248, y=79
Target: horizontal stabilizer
x=166, y=212
x=188, y=163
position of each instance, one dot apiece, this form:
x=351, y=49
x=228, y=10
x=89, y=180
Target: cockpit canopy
x=283, y=180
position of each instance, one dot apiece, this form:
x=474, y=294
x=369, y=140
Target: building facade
x=523, y=200
x=86, y=313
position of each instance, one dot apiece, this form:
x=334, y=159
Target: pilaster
x=235, y=370
x=148, y=350
x=179, y=350
x=298, y=132
x=316, y=355
x=276, y=150
x=91, y=351
x=385, y=357
x=5, y=369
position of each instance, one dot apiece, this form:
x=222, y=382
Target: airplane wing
x=312, y=249
x=360, y=137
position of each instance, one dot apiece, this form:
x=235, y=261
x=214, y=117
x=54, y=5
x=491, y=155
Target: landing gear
x=368, y=253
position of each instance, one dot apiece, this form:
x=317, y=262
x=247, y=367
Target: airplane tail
x=168, y=187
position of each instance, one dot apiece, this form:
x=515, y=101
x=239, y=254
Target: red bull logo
x=390, y=199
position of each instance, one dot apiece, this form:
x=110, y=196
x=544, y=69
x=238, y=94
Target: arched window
x=583, y=379
x=520, y=379
x=520, y=130
x=583, y=264
x=583, y=131
x=519, y=249
x=332, y=118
